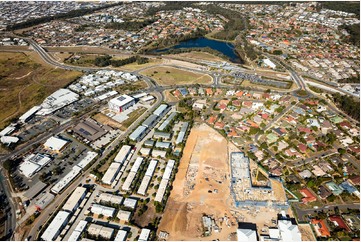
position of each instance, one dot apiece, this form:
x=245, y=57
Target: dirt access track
x=204, y=167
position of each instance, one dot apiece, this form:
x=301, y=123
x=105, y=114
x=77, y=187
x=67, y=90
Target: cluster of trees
x=130, y=25
x=187, y=50
x=354, y=31
x=237, y=22
x=348, y=105
x=353, y=79
x=106, y=60
x=70, y=14
x=169, y=6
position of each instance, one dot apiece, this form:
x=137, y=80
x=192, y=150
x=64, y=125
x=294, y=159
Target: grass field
x=131, y=87
x=25, y=82
x=172, y=76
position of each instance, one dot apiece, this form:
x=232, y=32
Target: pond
x=225, y=48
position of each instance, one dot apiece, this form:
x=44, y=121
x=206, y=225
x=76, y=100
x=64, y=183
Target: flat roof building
x=33, y=163
x=165, y=124
x=123, y=154
x=121, y=103
x=89, y=129
x=150, y=121
x=111, y=173
x=124, y=215
x=35, y=189
x=64, y=182
x=159, y=153
x=138, y=133
x=246, y=235
x=98, y=230
x=113, y=199
x=128, y=181
x=90, y=155
x=144, y=235
x=161, y=110
x=31, y=112
x=44, y=201
x=162, y=135
x=182, y=133
x=55, y=144
x=163, y=145
x=130, y=203
x=75, y=199
x=57, y=100
x=121, y=235
x=55, y=227
x=104, y=210
x=78, y=231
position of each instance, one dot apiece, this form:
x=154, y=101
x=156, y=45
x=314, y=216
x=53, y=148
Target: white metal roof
x=144, y=235
x=107, y=197
x=123, y=154
x=100, y=209
x=121, y=100
x=57, y=100
x=246, y=235
x=289, y=231
x=121, y=236
x=74, y=236
x=29, y=113
x=137, y=132
x=87, y=159
x=168, y=170
x=75, y=199
x=128, y=181
x=55, y=226
x=136, y=164
x=55, y=144
x=159, y=111
x=60, y=185
x=151, y=168
x=111, y=173
x=144, y=185
x=130, y=202
x=124, y=215
x=7, y=130
x=9, y=139
x=161, y=190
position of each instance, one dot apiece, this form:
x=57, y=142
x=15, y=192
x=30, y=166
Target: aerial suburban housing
x=179, y=121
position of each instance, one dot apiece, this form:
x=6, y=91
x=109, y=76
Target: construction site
x=199, y=205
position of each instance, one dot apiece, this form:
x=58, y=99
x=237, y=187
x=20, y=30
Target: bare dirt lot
x=306, y=232
x=173, y=76
x=197, y=55
x=203, y=168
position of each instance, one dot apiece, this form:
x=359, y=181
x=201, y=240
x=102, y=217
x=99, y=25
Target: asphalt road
x=303, y=212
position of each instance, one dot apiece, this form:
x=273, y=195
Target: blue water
x=225, y=48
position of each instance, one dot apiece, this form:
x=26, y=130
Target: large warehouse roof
x=57, y=100
x=55, y=226
x=29, y=113
x=123, y=154
x=87, y=159
x=122, y=100
x=111, y=173
x=75, y=199
x=55, y=144
x=60, y=185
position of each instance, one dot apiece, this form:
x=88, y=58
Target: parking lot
x=68, y=111
x=37, y=129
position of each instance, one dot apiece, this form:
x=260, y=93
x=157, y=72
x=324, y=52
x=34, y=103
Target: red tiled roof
x=308, y=196
x=340, y=222
x=322, y=227
x=212, y=119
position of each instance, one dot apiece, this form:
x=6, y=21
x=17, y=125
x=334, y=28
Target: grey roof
x=136, y=133
x=160, y=109
x=149, y=142
x=182, y=133
x=162, y=134
x=167, y=121
x=160, y=144
x=150, y=120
